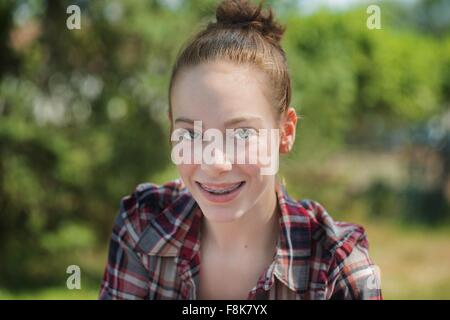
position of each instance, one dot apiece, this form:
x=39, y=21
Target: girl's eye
x=187, y=134
x=244, y=133
x=191, y=135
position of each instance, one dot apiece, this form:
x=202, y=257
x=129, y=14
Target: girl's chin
x=221, y=218
x=220, y=214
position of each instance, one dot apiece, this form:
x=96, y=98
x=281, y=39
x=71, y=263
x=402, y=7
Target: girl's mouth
x=220, y=192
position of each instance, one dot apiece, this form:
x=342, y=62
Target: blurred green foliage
x=83, y=112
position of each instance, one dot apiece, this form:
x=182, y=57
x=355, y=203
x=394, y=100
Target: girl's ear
x=288, y=126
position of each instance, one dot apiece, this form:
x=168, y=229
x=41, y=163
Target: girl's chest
x=229, y=278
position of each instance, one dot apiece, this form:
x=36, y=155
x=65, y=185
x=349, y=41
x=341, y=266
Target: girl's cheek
x=262, y=151
x=186, y=172
x=247, y=170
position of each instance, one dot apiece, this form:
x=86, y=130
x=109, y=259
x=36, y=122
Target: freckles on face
x=223, y=96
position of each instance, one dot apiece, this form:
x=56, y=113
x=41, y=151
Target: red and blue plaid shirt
x=154, y=251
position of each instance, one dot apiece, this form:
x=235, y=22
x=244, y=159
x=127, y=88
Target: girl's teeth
x=219, y=191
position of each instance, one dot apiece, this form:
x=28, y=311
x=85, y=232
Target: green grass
x=54, y=293
x=414, y=263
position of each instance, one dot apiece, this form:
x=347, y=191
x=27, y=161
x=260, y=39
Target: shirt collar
x=176, y=232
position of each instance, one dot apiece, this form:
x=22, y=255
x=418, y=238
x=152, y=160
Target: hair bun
x=241, y=13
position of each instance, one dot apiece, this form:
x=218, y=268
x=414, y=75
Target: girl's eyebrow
x=227, y=123
x=182, y=119
x=242, y=119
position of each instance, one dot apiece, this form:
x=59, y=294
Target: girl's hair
x=244, y=34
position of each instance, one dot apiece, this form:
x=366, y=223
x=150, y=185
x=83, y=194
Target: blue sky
x=308, y=6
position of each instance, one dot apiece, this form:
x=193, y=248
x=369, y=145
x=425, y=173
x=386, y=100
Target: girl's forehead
x=237, y=71
x=221, y=89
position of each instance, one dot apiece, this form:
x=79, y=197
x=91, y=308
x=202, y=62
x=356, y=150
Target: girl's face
x=223, y=95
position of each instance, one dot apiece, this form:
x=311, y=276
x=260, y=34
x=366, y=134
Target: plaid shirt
x=154, y=251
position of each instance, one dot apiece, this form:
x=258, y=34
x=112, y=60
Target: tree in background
x=83, y=112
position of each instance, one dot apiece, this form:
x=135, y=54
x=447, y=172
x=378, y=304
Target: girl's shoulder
x=332, y=234
x=146, y=202
x=325, y=233
x=152, y=198
x=339, y=253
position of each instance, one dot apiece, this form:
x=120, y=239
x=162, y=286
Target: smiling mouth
x=220, y=189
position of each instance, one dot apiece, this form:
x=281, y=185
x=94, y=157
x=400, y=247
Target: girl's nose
x=216, y=163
